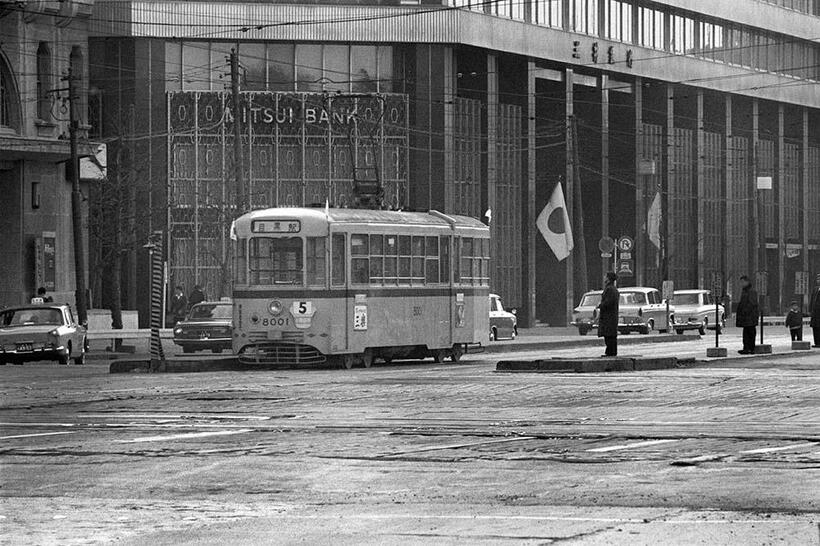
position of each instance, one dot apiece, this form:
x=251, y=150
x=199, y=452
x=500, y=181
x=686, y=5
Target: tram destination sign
x=276, y=226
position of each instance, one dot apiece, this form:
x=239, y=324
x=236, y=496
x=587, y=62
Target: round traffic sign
x=606, y=244
x=625, y=244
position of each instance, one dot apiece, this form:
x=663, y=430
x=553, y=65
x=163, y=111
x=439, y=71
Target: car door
x=657, y=309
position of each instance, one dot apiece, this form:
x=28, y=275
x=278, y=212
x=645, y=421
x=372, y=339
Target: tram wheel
x=456, y=352
x=367, y=358
x=348, y=361
x=439, y=355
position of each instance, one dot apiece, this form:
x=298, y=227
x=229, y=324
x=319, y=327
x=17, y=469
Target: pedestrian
x=608, y=314
x=794, y=321
x=179, y=304
x=197, y=296
x=747, y=315
x=814, y=310
x=41, y=294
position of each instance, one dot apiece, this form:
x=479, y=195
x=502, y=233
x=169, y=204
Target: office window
x=585, y=16
x=44, y=82
x=308, y=67
x=196, y=66
x=173, y=66
x=363, y=69
x=337, y=68
x=619, y=20
x=252, y=58
x=280, y=67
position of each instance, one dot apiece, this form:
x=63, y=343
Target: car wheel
x=647, y=328
x=66, y=358
x=456, y=352
x=187, y=350
x=582, y=331
x=216, y=350
x=493, y=334
x=679, y=332
x=514, y=333
x=80, y=359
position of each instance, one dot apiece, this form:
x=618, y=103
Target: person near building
x=747, y=315
x=814, y=309
x=41, y=294
x=197, y=296
x=608, y=314
x=794, y=321
x=179, y=305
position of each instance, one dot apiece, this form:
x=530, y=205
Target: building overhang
x=15, y=148
x=436, y=25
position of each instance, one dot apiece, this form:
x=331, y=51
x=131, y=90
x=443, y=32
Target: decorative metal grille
x=298, y=148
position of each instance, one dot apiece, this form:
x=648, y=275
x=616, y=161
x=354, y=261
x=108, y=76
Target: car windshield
x=211, y=311
x=633, y=298
x=29, y=317
x=590, y=300
x=687, y=299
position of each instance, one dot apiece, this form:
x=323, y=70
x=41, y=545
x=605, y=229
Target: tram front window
x=276, y=260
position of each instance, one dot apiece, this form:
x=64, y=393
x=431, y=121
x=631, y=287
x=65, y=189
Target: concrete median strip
x=186, y=436
x=590, y=365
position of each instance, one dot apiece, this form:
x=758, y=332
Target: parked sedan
x=41, y=332
x=503, y=324
x=695, y=310
x=209, y=325
x=642, y=310
x=584, y=317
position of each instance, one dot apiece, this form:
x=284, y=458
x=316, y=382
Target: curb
x=702, y=362
x=501, y=347
x=176, y=366
x=590, y=365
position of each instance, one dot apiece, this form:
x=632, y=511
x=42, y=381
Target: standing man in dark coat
x=814, y=309
x=179, y=305
x=747, y=315
x=197, y=296
x=609, y=314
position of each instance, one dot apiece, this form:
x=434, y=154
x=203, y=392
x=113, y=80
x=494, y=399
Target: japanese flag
x=554, y=225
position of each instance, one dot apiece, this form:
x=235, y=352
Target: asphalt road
x=413, y=453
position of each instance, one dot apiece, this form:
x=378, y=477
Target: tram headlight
x=275, y=307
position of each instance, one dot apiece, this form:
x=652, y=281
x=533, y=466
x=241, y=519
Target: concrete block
x=801, y=345
x=765, y=349
x=716, y=352
x=586, y=365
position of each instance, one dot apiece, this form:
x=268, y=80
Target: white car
x=695, y=310
x=503, y=324
x=642, y=310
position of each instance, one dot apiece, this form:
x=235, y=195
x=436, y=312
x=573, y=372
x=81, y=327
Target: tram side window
x=377, y=259
x=241, y=261
x=359, y=261
x=444, y=259
x=276, y=260
x=431, y=267
x=338, y=259
x=418, y=261
x=316, y=266
x=405, y=255
x=391, y=256
x=474, y=261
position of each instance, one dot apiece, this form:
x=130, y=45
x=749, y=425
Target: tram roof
x=365, y=216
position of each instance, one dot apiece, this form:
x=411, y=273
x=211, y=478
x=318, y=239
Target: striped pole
x=155, y=254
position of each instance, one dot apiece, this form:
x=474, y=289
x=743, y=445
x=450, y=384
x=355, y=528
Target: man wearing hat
x=608, y=314
x=814, y=309
x=747, y=315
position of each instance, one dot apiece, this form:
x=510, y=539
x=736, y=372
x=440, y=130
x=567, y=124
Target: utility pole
x=241, y=203
x=76, y=202
x=578, y=210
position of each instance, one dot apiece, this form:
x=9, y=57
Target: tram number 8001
x=276, y=322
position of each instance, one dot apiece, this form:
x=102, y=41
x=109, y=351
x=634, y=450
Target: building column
x=528, y=282
x=569, y=187
x=759, y=244
x=449, y=95
x=604, y=157
x=726, y=210
x=665, y=180
x=701, y=191
x=492, y=133
x=640, y=187
x=781, y=191
x=804, y=181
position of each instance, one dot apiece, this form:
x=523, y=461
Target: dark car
x=209, y=325
x=43, y=331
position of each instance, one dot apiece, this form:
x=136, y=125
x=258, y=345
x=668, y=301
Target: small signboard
x=276, y=226
x=762, y=283
x=717, y=285
x=626, y=268
x=801, y=282
x=626, y=244
x=668, y=290
x=764, y=182
x=606, y=245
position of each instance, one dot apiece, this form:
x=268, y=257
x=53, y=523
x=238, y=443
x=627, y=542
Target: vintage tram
x=350, y=286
